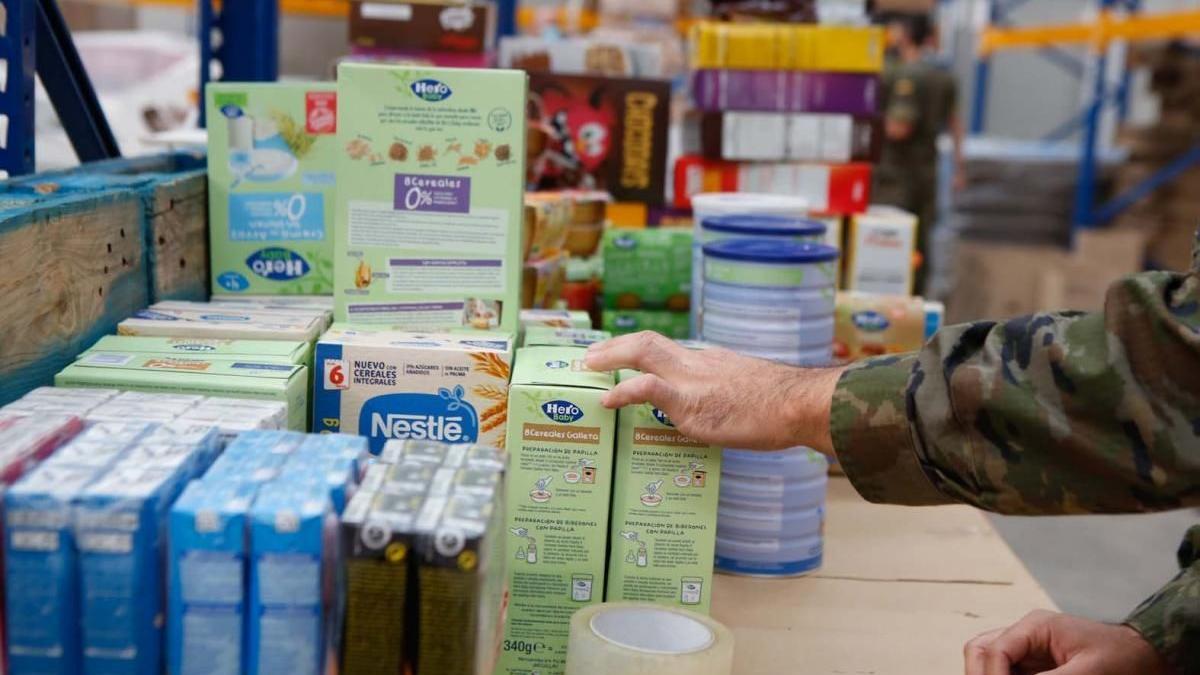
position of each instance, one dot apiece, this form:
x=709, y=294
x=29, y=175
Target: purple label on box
x=438, y=194
x=783, y=91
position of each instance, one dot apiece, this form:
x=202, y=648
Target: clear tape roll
x=641, y=639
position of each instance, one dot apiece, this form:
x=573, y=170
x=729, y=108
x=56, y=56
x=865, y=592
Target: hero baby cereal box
x=385, y=384
x=430, y=197
x=272, y=153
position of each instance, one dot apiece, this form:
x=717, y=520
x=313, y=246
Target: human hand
x=719, y=397
x=1059, y=644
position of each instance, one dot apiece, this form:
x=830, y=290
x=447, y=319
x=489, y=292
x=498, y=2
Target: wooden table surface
x=899, y=593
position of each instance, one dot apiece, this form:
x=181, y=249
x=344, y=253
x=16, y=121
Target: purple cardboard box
x=786, y=91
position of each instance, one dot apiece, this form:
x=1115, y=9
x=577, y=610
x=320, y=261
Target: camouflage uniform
x=1048, y=414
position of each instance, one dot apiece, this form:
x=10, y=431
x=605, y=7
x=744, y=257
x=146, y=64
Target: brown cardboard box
x=1000, y=281
x=432, y=25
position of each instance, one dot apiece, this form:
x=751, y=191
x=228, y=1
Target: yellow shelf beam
x=1107, y=28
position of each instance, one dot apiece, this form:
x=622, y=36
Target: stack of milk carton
x=251, y=562
x=425, y=564
x=27, y=440
x=771, y=516
x=83, y=547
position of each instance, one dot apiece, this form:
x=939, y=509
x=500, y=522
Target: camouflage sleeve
x=1045, y=414
x=1170, y=619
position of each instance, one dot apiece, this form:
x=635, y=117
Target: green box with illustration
x=664, y=513
x=430, y=202
x=648, y=269
x=560, y=443
x=272, y=162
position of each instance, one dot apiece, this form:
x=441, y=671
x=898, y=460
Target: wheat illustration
x=491, y=364
x=495, y=423
x=490, y=392
x=498, y=409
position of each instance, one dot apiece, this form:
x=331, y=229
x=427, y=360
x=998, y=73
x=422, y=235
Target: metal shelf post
x=18, y=49
x=242, y=38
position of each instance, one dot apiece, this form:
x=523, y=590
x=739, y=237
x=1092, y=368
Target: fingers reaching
x=647, y=388
x=646, y=351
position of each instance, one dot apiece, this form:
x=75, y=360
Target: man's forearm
x=807, y=406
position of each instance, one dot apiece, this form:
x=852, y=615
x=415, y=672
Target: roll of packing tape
x=640, y=639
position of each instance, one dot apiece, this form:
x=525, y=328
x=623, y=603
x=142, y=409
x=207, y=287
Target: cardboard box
x=220, y=323
x=252, y=379
x=804, y=137
x=560, y=442
x=555, y=318
x=756, y=46
x=272, y=153
x=384, y=385
x=675, y=325
x=648, y=269
x=599, y=133
x=544, y=336
x=581, y=56
x=664, y=516
x=879, y=251
x=786, y=91
x=299, y=353
x=828, y=188
x=869, y=324
x=430, y=197
x=425, y=25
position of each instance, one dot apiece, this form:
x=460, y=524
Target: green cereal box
x=545, y=336
x=560, y=442
x=675, y=325
x=648, y=269
x=272, y=157
x=430, y=202
x=262, y=379
x=664, y=515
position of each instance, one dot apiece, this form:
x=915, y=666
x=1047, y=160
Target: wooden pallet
x=73, y=266
x=173, y=189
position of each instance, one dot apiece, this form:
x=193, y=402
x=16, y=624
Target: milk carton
x=207, y=594
x=286, y=611
x=430, y=199
x=394, y=385
x=272, y=156
x=664, y=514
x=557, y=502
x=41, y=575
x=119, y=522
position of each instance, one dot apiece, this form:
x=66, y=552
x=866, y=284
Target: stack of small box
x=424, y=560
x=251, y=563
x=229, y=415
x=83, y=547
x=647, y=281
x=784, y=108
x=438, y=32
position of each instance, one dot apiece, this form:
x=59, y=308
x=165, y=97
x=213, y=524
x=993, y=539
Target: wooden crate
x=173, y=190
x=74, y=265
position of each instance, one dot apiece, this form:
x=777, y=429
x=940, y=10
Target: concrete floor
x=1099, y=567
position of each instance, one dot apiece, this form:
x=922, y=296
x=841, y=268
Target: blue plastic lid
x=762, y=224
x=771, y=252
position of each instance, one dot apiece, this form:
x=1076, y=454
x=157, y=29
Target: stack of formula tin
x=771, y=516
x=767, y=287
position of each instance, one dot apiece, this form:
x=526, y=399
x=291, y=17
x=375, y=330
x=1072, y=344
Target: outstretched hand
x=719, y=397
x=1058, y=644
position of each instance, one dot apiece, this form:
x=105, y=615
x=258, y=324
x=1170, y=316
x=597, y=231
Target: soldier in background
x=1057, y=413
x=919, y=103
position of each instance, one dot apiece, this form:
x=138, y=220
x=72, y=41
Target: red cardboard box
x=829, y=188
